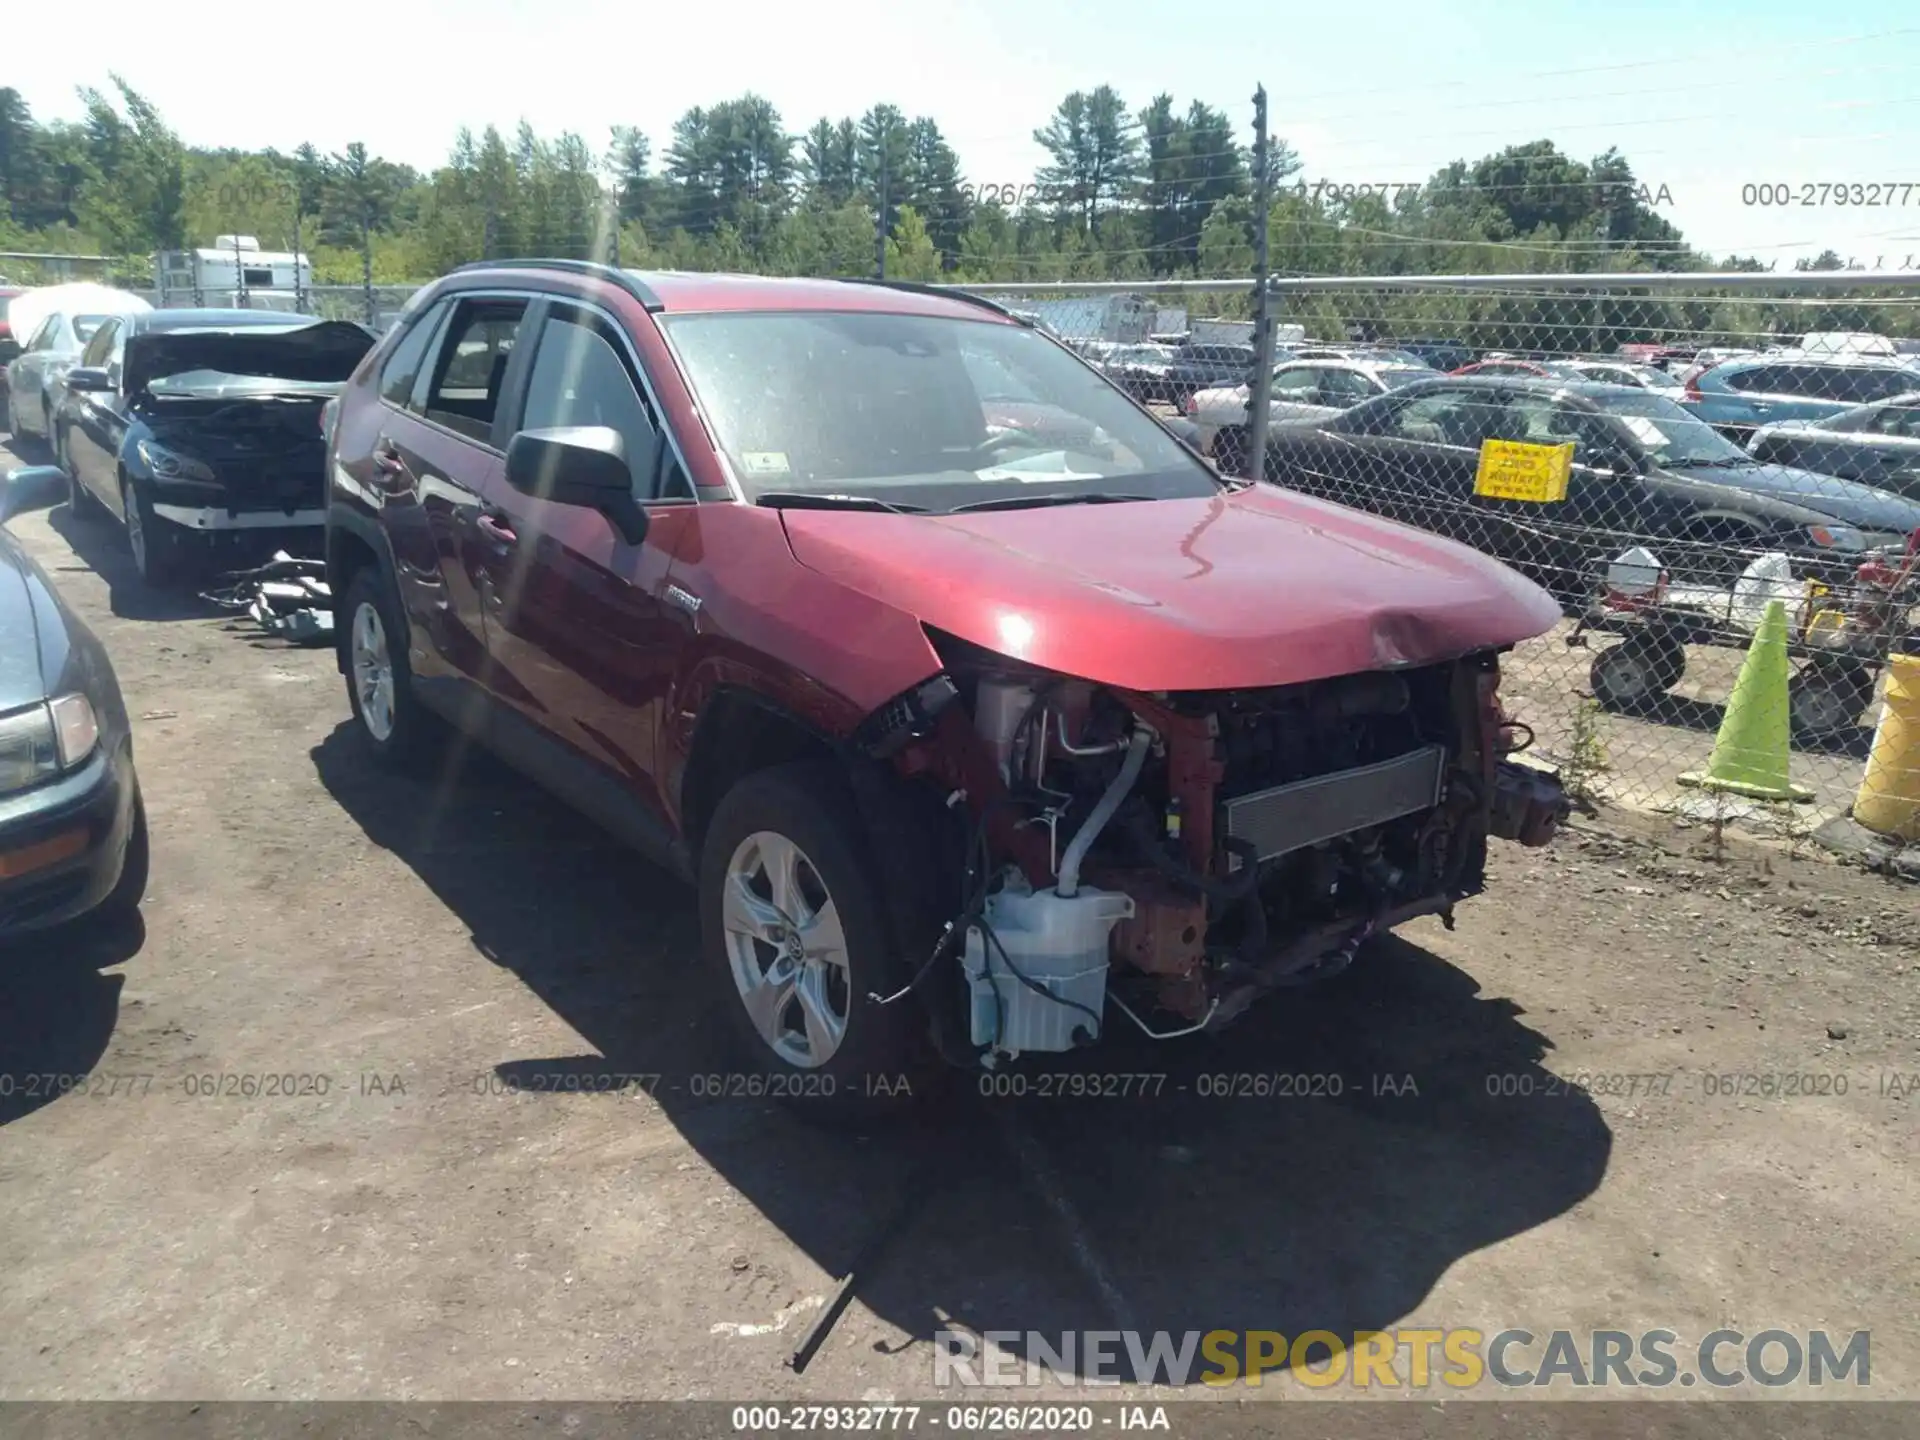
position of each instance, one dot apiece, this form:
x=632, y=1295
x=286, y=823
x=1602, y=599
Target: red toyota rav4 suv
x=980, y=710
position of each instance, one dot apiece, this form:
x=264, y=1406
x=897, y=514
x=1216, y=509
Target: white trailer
x=233, y=271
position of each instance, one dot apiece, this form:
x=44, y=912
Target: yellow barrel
x=1889, y=796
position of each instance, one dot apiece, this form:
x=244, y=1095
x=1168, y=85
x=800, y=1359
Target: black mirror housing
x=88, y=379
x=584, y=465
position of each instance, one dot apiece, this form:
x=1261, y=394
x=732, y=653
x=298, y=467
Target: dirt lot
x=441, y=1224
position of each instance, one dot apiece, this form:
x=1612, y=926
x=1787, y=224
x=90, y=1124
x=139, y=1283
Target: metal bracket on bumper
x=1528, y=805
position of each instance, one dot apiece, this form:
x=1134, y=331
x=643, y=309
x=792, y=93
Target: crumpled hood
x=326, y=350
x=1251, y=589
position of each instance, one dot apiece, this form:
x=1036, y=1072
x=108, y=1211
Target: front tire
x=162, y=551
x=797, y=942
x=391, y=722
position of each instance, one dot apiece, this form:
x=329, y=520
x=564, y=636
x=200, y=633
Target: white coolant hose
x=1069, y=881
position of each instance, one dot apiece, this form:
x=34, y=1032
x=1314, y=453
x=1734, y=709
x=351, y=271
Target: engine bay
x=1187, y=852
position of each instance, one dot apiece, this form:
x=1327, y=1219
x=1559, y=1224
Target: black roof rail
x=612, y=275
x=920, y=287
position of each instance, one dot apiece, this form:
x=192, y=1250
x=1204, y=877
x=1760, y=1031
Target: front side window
x=1296, y=384
x=472, y=365
x=928, y=411
x=1346, y=387
x=579, y=378
x=1866, y=384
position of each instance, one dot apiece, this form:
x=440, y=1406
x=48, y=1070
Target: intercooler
x=1306, y=812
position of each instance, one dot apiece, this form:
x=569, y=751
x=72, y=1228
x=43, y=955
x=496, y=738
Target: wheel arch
x=739, y=732
x=353, y=544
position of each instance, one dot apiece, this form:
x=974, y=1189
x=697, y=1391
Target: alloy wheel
x=373, y=672
x=786, y=950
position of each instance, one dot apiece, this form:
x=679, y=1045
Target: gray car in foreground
x=73, y=831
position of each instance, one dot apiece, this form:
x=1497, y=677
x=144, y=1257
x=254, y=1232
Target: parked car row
x=1644, y=468
x=198, y=431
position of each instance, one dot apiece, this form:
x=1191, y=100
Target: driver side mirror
x=89, y=379
x=584, y=465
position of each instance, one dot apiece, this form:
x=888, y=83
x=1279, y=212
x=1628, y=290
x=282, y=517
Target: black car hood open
x=327, y=350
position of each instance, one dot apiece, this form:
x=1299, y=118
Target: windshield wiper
x=808, y=500
x=1027, y=502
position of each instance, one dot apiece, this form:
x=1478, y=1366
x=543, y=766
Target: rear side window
x=580, y=378
x=100, y=344
x=402, y=367
x=1346, y=387
x=472, y=365
x=1761, y=378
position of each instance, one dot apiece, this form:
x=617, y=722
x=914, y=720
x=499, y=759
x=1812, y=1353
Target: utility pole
x=1260, y=383
x=240, y=275
x=880, y=220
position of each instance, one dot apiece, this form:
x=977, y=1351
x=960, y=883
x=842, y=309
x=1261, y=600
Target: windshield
x=1668, y=434
x=918, y=411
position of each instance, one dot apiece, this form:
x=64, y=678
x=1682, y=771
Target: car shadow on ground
x=1206, y=1192
x=58, y=1008
x=100, y=544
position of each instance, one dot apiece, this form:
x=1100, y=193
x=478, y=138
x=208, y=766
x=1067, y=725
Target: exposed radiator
x=1306, y=812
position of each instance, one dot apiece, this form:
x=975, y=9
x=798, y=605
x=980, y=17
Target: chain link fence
x=1667, y=455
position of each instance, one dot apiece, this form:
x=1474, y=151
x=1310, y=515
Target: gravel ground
x=447, y=1220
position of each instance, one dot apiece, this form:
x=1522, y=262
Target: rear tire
x=796, y=941
x=393, y=726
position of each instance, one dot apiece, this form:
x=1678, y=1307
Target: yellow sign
x=1514, y=470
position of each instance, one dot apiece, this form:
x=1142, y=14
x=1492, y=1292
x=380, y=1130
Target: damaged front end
x=1193, y=851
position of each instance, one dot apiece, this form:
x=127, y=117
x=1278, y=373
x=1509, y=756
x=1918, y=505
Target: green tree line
x=1123, y=193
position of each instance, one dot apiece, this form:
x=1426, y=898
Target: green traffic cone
x=1750, y=752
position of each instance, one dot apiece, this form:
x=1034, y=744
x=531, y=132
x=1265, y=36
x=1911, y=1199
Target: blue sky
x=1703, y=98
